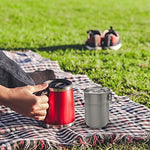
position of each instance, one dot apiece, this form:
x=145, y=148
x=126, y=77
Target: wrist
x=4, y=95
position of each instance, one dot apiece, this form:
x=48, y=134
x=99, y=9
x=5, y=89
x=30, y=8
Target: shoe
x=111, y=39
x=94, y=39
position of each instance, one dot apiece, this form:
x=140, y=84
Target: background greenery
x=56, y=29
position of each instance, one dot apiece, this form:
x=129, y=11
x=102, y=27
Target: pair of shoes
x=109, y=39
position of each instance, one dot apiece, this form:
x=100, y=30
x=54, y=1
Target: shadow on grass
x=62, y=47
x=49, y=48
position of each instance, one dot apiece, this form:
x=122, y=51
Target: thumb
x=37, y=88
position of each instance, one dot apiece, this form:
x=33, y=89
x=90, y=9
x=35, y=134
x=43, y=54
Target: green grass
x=121, y=146
x=57, y=30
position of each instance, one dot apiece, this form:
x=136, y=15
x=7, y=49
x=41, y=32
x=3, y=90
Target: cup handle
x=110, y=99
x=44, y=92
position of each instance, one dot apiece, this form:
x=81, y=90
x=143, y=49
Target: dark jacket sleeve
x=11, y=74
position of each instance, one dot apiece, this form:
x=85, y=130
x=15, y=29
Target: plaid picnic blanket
x=129, y=121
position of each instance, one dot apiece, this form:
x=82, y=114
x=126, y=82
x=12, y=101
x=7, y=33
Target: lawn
x=57, y=30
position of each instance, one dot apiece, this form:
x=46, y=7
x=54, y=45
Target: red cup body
x=61, y=108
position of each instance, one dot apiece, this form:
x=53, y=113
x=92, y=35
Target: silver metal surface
x=97, y=90
x=97, y=106
x=60, y=86
x=56, y=126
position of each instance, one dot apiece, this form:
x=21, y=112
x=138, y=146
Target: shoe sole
x=92, y=48
x=116, y=47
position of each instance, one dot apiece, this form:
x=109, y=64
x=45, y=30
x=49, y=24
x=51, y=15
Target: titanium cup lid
x=59, y=85
x=97, y=90
x=97, y=95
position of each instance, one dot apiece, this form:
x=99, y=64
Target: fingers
x=43, y=107
x=39, y=118
x=43, y=99
x=41, y=104
x=39, y=111
x=37, y=88
x=39, y=115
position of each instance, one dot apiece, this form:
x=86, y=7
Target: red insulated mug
x=61, y=103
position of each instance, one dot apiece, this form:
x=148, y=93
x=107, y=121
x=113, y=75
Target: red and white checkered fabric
x=129, y=121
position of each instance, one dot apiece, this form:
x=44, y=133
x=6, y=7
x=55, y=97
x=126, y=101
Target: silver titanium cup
x=97, y=106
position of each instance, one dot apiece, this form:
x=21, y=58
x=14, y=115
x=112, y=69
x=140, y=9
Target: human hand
x=24, y=101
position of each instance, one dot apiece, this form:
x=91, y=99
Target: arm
x=23, y=101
